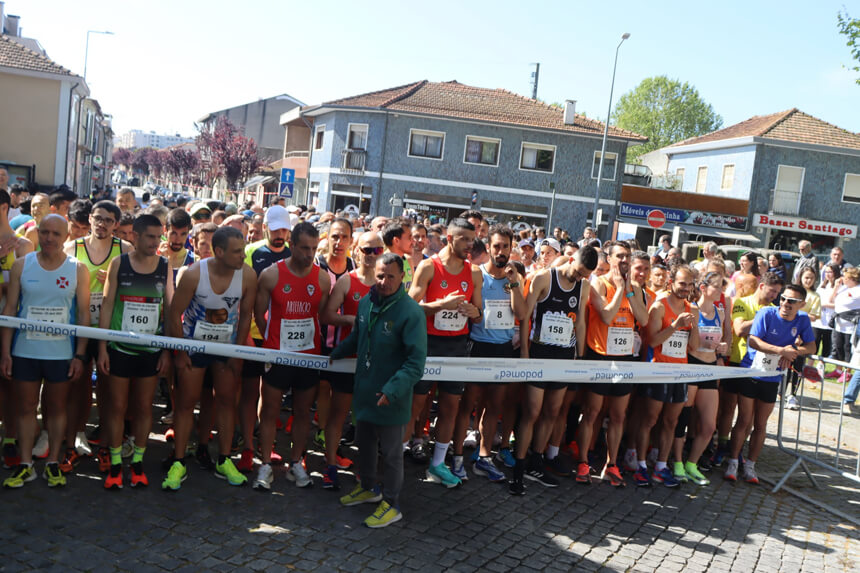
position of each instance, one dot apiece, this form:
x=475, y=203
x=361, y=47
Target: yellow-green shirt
x=744, y=308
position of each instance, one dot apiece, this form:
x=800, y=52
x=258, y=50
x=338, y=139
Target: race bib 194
x=209, y=332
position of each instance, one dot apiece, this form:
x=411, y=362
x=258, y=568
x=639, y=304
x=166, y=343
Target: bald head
x=368, y=239
x=54, y=221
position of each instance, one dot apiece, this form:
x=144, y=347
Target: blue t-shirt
x=773, y=329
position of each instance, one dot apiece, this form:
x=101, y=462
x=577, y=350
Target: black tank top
x=555, y=314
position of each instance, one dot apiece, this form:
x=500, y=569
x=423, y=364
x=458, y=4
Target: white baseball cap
x=277, y=217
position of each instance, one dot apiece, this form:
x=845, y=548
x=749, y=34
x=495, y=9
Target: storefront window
x=787, y=241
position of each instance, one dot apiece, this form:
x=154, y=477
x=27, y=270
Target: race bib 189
x=676, y=345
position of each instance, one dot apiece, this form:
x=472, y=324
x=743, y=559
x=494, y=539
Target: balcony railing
x=786, y=202
x=354, y=159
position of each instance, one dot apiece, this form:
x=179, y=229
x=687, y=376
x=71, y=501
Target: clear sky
x=170, y=62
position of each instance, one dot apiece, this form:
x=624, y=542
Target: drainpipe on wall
x=69, y=127
x=311, y=129
x=381, y=167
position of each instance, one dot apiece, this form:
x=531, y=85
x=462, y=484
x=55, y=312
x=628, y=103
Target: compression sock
x=116, y=456
x=551, y=452
x=137, y=456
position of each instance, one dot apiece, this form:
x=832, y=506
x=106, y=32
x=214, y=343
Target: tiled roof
x=453, y=99
x=14, y=55
x=790, y=125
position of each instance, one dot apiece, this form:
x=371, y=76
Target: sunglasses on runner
x=372, y=250
x=790, y=300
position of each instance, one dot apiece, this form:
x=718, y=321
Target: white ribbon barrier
x=436, y=367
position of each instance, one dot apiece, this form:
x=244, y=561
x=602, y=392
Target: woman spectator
x=845, y=298
x=821, y=327
x=748, y=266
x=775, y=264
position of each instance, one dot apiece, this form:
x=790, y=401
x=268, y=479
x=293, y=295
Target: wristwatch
x=80, y=357
x=514, y=284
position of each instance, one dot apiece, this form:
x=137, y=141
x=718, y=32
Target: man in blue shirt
x=777, y=337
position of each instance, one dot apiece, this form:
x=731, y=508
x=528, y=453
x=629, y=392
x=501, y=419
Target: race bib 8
x=619, y=341
x=498, y=315
x=676, y=345
x=449, y=320
x=48, y=314
x=557, y=330
x=297, y=334
x=140, y=317
x=209, y=332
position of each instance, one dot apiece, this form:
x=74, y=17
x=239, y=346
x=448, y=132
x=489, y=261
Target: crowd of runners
x=289, y=278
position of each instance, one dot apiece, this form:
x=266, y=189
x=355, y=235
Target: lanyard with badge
x=375, y=317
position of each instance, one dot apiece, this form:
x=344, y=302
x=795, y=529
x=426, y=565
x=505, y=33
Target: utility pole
x=535, y=78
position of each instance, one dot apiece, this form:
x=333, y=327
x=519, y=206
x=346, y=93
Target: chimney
x=569, y=111
x=2, y=17
x=12, y=28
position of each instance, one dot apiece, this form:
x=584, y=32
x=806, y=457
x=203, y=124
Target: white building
x=136, y=138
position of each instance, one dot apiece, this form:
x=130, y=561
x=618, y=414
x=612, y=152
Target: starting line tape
x=437, y=368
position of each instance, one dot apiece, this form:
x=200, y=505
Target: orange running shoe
x=342, y=463
x=583, y=473
x=288, y=427
x=138, y=478
x=70, y=460
x=103, y=457
x=114, y=478
x=614, y=476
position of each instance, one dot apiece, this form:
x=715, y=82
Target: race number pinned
x=763, y=361
x=676, y=345
x=96, y=299
x=209, y=332
x=556, y=330
x=49, y=314
x=498, y=315
x=297, y=334
x=619, y=341
x=449, y=321
x=140, y=317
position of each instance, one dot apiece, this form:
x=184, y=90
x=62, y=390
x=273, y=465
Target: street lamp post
x=87, y=51
x=594, y=221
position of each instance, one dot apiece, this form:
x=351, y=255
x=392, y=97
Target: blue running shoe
x=441, y=474
x=459, y=469
x=506, y=457
x=641, y=478
x=665, y=477
x=475, y=455
x=485, y=467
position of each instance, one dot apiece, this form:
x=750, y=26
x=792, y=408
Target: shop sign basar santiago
x=798, y=224
x=683, y=216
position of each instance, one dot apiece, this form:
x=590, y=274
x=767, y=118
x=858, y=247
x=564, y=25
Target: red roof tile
x=790, y=125
x=14, y=55
x=456, y=100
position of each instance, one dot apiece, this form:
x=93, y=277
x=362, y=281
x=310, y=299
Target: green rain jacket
x=390, y=336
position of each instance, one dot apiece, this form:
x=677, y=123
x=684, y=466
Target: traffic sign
x=285, y=189
x=656, y=218
x=288, y=176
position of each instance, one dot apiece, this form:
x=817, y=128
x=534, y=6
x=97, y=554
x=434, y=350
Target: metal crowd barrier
x=844, y=462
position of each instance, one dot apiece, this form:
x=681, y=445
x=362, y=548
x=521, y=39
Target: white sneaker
x=630, y=462
x=128, y=448
x=41, y=449
x=471, y=440
x=264, y=479
x=82, y=445
x=846, y=409
x=298, y=474
x=731, y=470
x=792, y=403
x=749, y=473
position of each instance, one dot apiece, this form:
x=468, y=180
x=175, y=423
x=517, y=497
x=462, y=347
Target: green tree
x=665, y=111
x=850, y=28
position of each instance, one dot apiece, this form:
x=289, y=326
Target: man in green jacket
x=390, y=342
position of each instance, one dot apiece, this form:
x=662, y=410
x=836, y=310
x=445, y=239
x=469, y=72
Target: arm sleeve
x=414, y=333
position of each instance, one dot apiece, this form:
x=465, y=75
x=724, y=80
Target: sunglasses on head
x=372, y=250
x=790, y=300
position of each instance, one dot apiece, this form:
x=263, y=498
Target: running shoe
x=419, y=452
x=665, y=477
x=731, y=471
x=41, y=449
x=459, y=470
x=749, y=474
x=630, y=462
x=695, y=475
x=299, y=474
x=583, y=473
x=360, y=495
x=22, y=474
x=264, y=479
x=441, y=474
x=82, y=445
x=330, y=479
x=836, y=373
x=613, y=474
x=506, y=457
x=342, y=463
x=476, y=453
x=384, y=516
x=641, y=477
x=70, y=460
x=11, y=458
x=718, y=458
x=792, y=403
x=53, y=475
x=485, y=467
x=204, y=460
x=127, y=448
x=246, y=461
x=319, y=440
x=557, y=466
x=229, y=472
x=652, y=457
x=516, y=487
x=471, y=440
x=167, y=419
x=169, y=434
x=138, y=478
x=678, y=472
x=103, y=458
x=536, y=473
x=114, y=478
x=175, y=476
x=348, y=436
x=95, y=435
x=704, y=464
